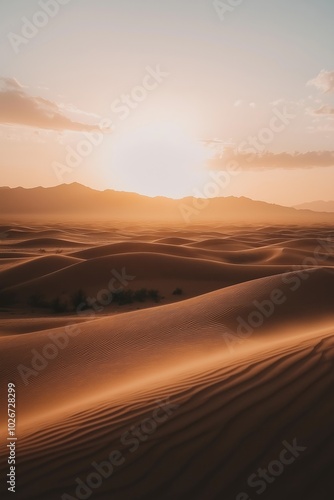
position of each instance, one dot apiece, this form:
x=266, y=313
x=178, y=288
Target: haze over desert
x=166, y=250
x=237, y=338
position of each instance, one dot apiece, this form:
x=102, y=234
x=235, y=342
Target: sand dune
x=244, y=356
x=26, y=324
x=141, y=246
x=236, y=415
x=305, y=243
x=227, y=400
x=20, y=234
x=7, y=263
x=274, y=254
x=33, y=268
x=157, y=335
x=141, y=270
x=46, y=242
x=15, y=255
x=221, y=244
x=174, y=241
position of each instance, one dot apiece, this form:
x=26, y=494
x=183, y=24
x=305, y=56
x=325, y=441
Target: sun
x=159, y=159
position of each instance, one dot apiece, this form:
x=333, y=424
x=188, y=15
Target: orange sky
x=156, y=97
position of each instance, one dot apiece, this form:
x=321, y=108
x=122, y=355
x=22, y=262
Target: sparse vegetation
x=154, y=295
x=78, y=298
x=178, y=291
x=140, y=295
x=123, y=297
x=37, y=300
x=59, y=306
x=70, y=303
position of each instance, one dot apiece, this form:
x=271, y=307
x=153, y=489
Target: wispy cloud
x=238, y=103
x=267, y=160
x=327, y=127
x=324, y=110
x=20, y=108
x=324, y=81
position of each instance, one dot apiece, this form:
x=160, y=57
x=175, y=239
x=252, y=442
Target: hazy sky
x=177, y=84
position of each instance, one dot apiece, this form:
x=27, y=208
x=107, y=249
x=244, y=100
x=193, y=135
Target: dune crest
x=220, y=354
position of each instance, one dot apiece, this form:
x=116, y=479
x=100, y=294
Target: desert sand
x=183, y=391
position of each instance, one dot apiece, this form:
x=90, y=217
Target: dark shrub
x=37, y=300
x=58, y=306
x=123, y=297
x=178, y=291
x=154, y=295
x=140, y=295
x=78, y=299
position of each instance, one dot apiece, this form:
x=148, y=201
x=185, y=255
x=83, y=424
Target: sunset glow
x=158, y=160
x=166, y=249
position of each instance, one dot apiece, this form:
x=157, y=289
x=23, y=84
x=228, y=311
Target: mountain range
x=78, y=201
x=317, y=206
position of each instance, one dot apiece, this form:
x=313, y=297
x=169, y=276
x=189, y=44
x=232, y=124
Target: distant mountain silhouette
x=318, y=206
x=75, y=201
